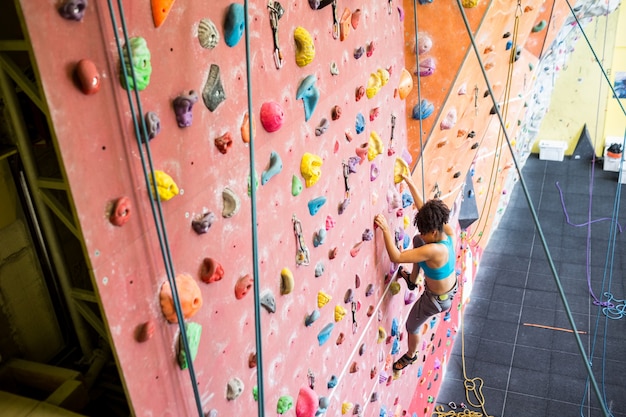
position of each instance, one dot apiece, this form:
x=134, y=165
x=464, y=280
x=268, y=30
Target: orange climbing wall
x=103, y=162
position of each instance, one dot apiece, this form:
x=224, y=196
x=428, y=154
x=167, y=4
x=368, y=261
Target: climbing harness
x=141, y=131
x=302, y=252
x=276, y=12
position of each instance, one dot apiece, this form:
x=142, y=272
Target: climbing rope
x=148, y=171
x=253, y=226
x=419, y=96
x=491, y=187
x=544, y=243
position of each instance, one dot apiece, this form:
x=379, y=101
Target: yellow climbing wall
x=359, y=48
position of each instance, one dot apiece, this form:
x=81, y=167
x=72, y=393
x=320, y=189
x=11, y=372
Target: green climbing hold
x=256, y=183
x=193, y=330
x=140, y=64
x=296, y=186
x=255, y=393
x=539, y=26
x=284, y=404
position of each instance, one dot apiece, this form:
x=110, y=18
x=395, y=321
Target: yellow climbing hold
x=394, y=287
x=286, y=281
x=322, y=299
x=382, y=335
x=166, y=187
x=305, y=49
x=340, y=313
x=376, y=146
x=346, y=406
x=310, y=168
x=407, y=221
x=406, y=84
x=400, y=168
x=374, y=84
x=383, y=74
x=468, y=4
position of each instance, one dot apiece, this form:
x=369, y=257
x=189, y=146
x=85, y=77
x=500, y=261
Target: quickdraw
x=355, y=325
x=325, y=3
x=393, y=127
x=302, y=252
x=276, y=12
x=389, y=6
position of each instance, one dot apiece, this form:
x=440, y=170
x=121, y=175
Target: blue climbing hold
x=360, y=123
x=234, y=24
x=316, y=204
x=276, y=165
x=407, y=199
x=419, y=372
x=309, y=94
x=509, y=45
x=332, y=382
x=383, y=411
x=394, y=327
x=319, y=237
x=395, y=347
x=324, y=334
x=406, y=241
x=422, y=110
x=311, y=318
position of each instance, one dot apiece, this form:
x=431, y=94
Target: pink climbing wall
x=103, y=163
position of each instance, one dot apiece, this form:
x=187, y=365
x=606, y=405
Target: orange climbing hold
x=189, y=296
x=160, y=11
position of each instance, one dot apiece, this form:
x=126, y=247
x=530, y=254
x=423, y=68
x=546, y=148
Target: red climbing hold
x=306, y=405
x=122, y=210
x=212, y=271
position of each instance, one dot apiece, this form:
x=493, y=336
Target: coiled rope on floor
x=544, y=243
x=141, y=135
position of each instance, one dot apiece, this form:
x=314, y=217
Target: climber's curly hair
x=432, y=216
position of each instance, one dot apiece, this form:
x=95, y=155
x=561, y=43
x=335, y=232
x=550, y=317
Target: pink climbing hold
x=355, y=249
x=272, y=116
x=409, y=297
x=374, y=113
x=361, y=151
x=449, y=121
x=306, y=405
x=330, y=222
x=212, y=271
x=359, y=93
x=243, y=286
x=370, y=49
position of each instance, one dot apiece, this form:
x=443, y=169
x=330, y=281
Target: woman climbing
x=434, y=252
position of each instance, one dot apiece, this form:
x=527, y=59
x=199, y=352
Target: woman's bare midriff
x=441, y=286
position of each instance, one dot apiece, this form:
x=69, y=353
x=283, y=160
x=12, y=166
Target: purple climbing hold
x=358, y=52
x=426, y=67
x=349, y=296
x=202, y=222
x=73, y=9
x=153, y=124
x=343, y=205
x=183, y=105
x=367, y=235
x=353, y=162
x=370, y=290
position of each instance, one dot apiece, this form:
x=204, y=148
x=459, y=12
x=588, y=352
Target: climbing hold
x=208, y=36
x=231, y=203
x=354, y=367
x=153, y=124
x=243, y=286
x=457, y=174
x=358, y=52
x=319, y=237
x=369, y=50
x=319, y=269
x=322, y=127
x=335, y=113
x=462, y=89
x=284, y=404
x=213, y=91
x=370, y=290
x=355, y=249
x=405, y=85
x=400, y=168
x=374, y=113
x=344, y=24
x=324, y=402
x=468, y=4
x=493, y=109
x=332, y=382
x=166, y=187
x=382, y=377
x=409, y=297
x=306, y=405
x=539, y=26
x=140, y=64
x=349, y=296
x=310, y=168
x=286, y=281
x=122, y=210
x=374, y=397
x=183, y=105
x=212, y=271
x=422, y=110
x=201, y=223
x=315, y=204
x=330, y=222
x=245, y=128
x=88, y=76
x=374, y=171
x=234, y=24
x=361, y=151
x=334, y=68
x=407, y=200
x=234, y=388
x=73, y=9
x=353, y=161
x=160, y=11
x=272, y=116
x=424, y=43
x=360, y=123
x=324, y=334
x=376, y=146
x=345, y=407
x=275, y=166
x=268, y=301
x=193, y=331
x=382, y=334
x=394, y=288
x=309, y=94
x=144, y=331
x=322, y=299
x=374, y=84
x=305, y=49
x=224, y=142
x=311, y=318
x=367, y=235
x=340, y=312
x=362, y=349
x=426, y=67
x=359, y=93
x=340, y=338
x=296, y=186
x=332, y=254
x=189, y=297
x=255, y=393
x=256, y=183
x=449, y=121
x=370, y=310
x=355, y=18
x=357, y=281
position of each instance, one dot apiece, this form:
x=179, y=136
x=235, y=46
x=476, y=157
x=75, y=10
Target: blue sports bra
x=444, y=271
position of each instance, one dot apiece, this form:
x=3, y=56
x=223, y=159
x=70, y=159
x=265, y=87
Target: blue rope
x=255, y=251
x=555, y=274
x=419, y=96
x=152, y=194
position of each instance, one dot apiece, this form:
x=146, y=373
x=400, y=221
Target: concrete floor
x=537, y=371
